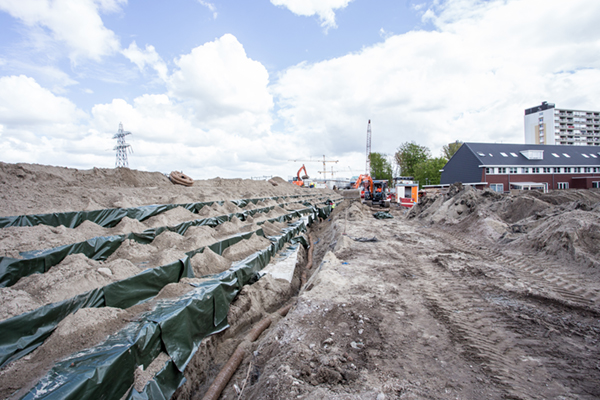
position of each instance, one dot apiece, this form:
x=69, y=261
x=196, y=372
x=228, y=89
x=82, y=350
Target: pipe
x=224, y=376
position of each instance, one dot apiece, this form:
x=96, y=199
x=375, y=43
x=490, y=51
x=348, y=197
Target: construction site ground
x=469, y=295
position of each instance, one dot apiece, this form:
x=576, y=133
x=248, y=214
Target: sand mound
x=228, y=228
x=209, y=211
x=231, y=208
x=208, y=262
x=74, y=275
x=357, y=212
x=172, y=217
x=15, y=302
x=244, y=248
x=128, y=225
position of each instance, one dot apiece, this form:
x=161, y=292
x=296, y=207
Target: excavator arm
x=299, y=180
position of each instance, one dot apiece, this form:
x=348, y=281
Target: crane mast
x=368, y=165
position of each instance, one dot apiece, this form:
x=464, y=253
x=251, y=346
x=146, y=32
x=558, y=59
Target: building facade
x=545, y=124
x=523, y=166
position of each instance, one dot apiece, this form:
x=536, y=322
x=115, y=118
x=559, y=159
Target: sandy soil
x=470, y=295
x=441, y=308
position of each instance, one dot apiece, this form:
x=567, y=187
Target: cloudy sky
x=237, y=88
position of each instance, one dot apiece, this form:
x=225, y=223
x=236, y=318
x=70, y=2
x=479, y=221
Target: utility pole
x=368, y=166
x=122, y=147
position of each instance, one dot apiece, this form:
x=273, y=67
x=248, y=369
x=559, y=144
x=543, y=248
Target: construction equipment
x=324, y=161
x=380, y=193
x=298, y=180
x=365, y=183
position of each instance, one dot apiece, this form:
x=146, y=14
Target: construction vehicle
x=298, y=180
x=380, y=193
x=365, y=183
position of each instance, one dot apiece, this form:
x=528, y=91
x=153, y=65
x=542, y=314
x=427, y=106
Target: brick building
x=524, y=166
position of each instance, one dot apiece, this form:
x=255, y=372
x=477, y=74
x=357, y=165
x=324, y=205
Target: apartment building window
x=535, y=170
x=502, y=170
x=556, y=170
x=567, y=169
x=587, y=169
x=547, y=170
x=512, y=170
x=576, y=169
x=563, y=185
x=525, y=170
x=595, y=185
x=489, y=170
x=497, y=187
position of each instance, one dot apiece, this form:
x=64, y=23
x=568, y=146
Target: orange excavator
x=366, y=183
x=300, y=180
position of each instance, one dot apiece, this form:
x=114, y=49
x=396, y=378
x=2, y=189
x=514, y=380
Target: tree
x=451, y=148
x=408, y=155
x=428, y=172
x=380, y=167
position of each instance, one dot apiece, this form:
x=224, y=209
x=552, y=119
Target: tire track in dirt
x=545, y=296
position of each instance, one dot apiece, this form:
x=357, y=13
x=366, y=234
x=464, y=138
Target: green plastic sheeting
x=22, y=334
x=111, y=216
x=383, y=215
x=175, y=326
x=99, y=248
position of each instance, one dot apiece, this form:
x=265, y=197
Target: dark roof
x=491, y=154
x=544, y=106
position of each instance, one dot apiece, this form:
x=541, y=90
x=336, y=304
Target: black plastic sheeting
x=110, y=217
x=100, y=248
x=176, y=327
x=23, y=333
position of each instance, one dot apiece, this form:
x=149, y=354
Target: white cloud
x=470, y=79
x=149, y=57
x=23, y=102
x=324, y=9
x=76, y=23
x=222, y=82
x=210, y=6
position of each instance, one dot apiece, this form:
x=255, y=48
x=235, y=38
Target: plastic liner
x=23, y=333
x=383, y=215
x=99, y=248
x=175, y=326
x=110, y=217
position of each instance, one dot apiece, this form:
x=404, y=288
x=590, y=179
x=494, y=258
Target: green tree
x=428, y=172
x=451, y=148
x=408, y=155
x=380, y=167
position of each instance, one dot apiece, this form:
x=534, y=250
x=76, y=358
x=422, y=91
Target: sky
x=241, y=89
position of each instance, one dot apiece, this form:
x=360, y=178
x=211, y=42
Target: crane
x=368, y=165
x=324, y=161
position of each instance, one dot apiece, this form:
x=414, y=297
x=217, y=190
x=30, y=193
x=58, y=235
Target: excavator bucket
x=305, y=176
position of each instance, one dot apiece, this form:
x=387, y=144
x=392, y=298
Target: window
x=481, y=154
x=503, y=154
x=547, y=170
x=497, y=187
x=566, y=155
x=556, y=170
x=587, y=169
x=502, y=170
x=525, y=170
x=567, y=169
x=512, y=170
x=489, y=170
x=593, y=156
x=585, y=155
x=596, y=185
x=514, y=154
x=535, y=170
x=576, y=169
x=555, y=155
x=563, y=185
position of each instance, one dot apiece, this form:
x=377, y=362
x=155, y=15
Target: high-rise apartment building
x=545, y=124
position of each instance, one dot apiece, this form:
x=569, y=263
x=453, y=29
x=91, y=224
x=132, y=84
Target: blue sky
x=238, y=88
